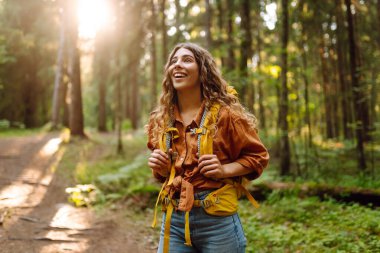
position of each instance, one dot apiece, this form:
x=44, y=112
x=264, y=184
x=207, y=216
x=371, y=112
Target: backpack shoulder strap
x=206, y=130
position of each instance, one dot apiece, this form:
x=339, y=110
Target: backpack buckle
x=206, y=203
x=166, y=201
x=198, y=131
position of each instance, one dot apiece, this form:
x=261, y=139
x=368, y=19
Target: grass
x=16, y=132
x=290, y=224
x=327, y=162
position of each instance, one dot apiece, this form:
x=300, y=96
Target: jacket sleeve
x=152, y=147
x=246, y=147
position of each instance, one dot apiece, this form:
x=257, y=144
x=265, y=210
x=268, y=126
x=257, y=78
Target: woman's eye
x=187, y=60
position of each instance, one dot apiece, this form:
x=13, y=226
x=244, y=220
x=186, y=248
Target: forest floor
x=35, y=215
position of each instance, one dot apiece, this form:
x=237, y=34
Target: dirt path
x=35, y=215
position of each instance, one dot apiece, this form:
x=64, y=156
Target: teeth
x=179, y=75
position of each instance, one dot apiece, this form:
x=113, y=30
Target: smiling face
x=184, y=70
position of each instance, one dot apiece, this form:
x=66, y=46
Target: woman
x=192, y=90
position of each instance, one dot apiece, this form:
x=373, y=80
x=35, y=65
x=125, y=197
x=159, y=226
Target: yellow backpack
x=221, y=202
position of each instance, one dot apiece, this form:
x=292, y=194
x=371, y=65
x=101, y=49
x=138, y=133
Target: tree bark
x=76, y=109
x=164, y=34
x=306, y=94
x=59, y=73
x=326, y=90
x=259, y=81
x=378, y=23
x=245, y=54
x=230, y=41
x=343, y=84
x=65, y=105
x=220, y=21
x=208, y=25
x=283, y=110
x=118, y=111
x=102, y=70
x=356, y=89
x=102, y=116
x=178, y=35
x=153, y=57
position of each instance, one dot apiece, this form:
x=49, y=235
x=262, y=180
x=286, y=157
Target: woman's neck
x=189, y=101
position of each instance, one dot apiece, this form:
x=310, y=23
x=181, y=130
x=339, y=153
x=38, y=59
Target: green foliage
x=130, y=179
x=331, y=162
x=5, y=131
x=289, y=224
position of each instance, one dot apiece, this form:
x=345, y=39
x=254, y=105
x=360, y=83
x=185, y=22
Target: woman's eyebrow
x=187, y=55
x=183, y=56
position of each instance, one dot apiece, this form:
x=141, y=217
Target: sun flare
x=92, y=16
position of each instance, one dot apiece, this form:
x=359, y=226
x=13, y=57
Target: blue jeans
x=209, y=234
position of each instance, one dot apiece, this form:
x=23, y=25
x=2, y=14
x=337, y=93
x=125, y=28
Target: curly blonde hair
x=214, y=89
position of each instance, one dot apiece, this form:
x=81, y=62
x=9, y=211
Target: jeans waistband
x=202, y=194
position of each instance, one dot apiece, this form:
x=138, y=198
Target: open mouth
x=179, y=75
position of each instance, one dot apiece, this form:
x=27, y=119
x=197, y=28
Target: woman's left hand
x=211, y=167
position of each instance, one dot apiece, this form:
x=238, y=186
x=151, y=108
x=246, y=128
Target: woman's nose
x=178, y=64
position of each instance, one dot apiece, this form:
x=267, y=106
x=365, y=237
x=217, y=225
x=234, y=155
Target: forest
x=92, y=71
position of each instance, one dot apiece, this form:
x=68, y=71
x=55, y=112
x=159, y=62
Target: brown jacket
x=234, y=141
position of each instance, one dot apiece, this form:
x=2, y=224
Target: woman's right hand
x=159, y=162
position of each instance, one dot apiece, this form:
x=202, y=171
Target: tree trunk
x=220, y=21
x=31, y=96
x=153, y=57
x=230, y=41
x=118, y=111
x=118, y=42
x=128, y=94
x=102, y=72
x=134, y=57
x=378, y=23
x=134, y=94
x=178, y=35
x=102, y=115
x=283, y=110
x=245, y=54
x=76, y=110
x=59, y=73
x=164, y=34
x=356, y=89
x=336, y=97
x=367, y=122
x=306, y=94
x=343, y=84
x=326, y=90
x=259, y=81
x=208, y=25
x=65, y=105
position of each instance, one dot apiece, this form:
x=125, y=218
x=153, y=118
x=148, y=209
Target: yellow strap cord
x=162, y=144
x=174, y=132
x=187, y=229
x=155, y=207
x=169, y=212
x=249, y=196
x=172, y=173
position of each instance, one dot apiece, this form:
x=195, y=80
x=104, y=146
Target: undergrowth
x=290, y=224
